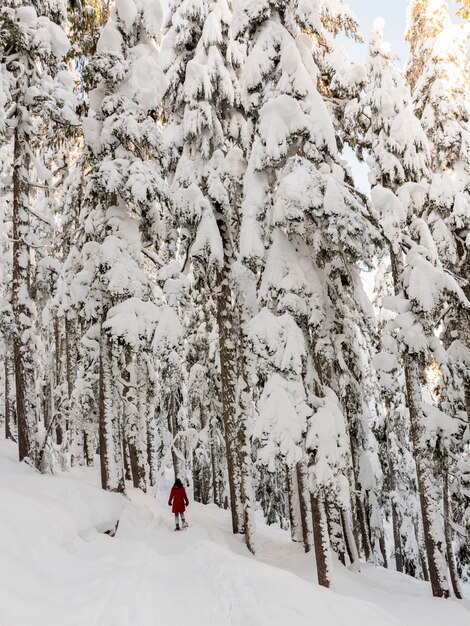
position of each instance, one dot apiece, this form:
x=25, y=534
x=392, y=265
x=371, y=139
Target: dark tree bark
x=228, y=380
x=23, y=339
x=321, y=541
x=10, y=410
x=305, y=505
x=294, y=505
x=448, y=535
x=112, y=474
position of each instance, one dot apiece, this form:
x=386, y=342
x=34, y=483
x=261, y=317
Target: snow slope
x=58, y=568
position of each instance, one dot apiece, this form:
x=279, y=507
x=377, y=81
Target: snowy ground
x=59, y=569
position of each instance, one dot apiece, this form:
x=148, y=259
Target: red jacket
x=179, y=499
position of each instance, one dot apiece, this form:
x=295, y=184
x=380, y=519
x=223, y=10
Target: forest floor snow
x=58, y=568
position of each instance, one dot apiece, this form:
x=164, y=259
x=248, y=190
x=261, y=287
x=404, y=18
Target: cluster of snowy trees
x=182, y=249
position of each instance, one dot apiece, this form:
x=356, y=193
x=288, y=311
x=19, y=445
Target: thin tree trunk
x=197, y=479
x=294, y=505
x=305, y=505
x=112, y=476
x=321, y=541
x=216, y=497
x=228, y=381
x=448, y=535
x=24, y=347
x=10, y=412
x=398, y=549
x=335, y=530
x=433, y=536
x=350, y=541
x=151, y=451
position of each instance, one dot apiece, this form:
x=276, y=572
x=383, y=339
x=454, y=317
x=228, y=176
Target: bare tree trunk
x=216, y=496
x=197, y=479
x=126, y=459
x=59, y=429
x=448, y=535
x=112, y=477
x=433, y=536
x=151, y=451
x=349, y=539
x=10, y=412
x=305, y=505
x=24, y=347
x=398, y=549
x=383, y=551
x=294, y=505
x=228, y=380
x=247, y=489
x=321, y=541
x=335, y=530
x=137, y=469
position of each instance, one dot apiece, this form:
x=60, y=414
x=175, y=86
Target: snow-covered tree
x=438, y=73
x=204, y=137
x=123, y=193
x=33, y=46
x=399, y=164
x=298, y=205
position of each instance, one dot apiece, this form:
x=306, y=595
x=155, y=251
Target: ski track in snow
x=59, y=569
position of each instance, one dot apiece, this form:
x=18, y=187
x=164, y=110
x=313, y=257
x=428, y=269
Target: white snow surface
x=58, y=568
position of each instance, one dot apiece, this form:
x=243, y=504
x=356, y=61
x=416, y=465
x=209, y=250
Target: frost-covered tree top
x=205, y=127
x=293, y=133
x=125, y=187
x=438, y=75
x=397, y=143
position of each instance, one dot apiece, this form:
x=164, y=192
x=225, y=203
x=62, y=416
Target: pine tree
x=204, y=136
x=440, y=83
x=33, y=48
x=293, y=188
x=399, y=167
x=123, y=192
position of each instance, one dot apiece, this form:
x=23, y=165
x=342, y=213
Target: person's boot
x=177, y=527
x=185, y=524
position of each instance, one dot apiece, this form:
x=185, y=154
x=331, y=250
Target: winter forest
x=192, y=285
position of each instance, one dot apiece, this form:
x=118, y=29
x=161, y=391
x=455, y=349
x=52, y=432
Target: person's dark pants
x=177, y=516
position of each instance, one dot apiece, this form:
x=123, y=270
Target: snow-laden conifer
x=205, y=141
x=36, y=97
x=123, y=196
x=301, y=220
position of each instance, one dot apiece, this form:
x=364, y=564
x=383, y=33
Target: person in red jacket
x=180, y=501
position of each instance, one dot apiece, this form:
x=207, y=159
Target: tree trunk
x=247, y=489
x=433, y=535
x=448, y=535
x=305, y=505
x=152, y=450
x=216, y=496
x=294, y=505
x=197, y=479
x=112, y=476
x=350, y=541
x=335, y=530
x=321, y=541
x=126, y=459
x=10, y=412
x=228, y=381
x=24, y=347
x=398, y=549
